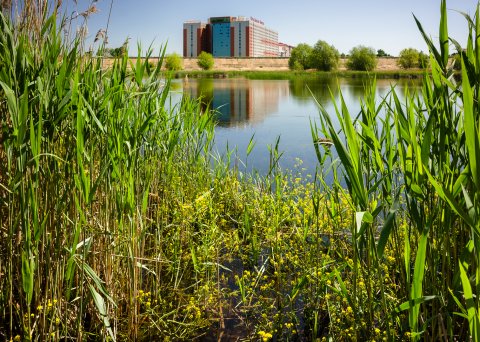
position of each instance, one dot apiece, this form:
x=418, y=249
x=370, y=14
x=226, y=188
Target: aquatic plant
x=410, y=170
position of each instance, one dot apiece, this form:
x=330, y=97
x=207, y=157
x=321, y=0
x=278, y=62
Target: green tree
x=299, y=59
x=205, y=60
x=408, y=58
x=381, y=53
x=362, y=58
x=324, y=56
x=173, y=62
x=116, y=52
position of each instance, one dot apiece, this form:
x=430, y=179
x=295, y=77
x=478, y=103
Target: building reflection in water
x=238, y=101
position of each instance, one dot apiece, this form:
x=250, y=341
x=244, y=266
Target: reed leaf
x=471, y=307
x=417, y=282
x=443, y=34
x=471, y=128
x=102, y=310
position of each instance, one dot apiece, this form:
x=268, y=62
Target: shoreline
x=277, y=68
x=289, y=74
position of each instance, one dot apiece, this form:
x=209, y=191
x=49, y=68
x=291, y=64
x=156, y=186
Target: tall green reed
x=83, y=150
x=410, y=170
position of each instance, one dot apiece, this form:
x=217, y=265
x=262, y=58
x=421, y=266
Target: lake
x=268, y=109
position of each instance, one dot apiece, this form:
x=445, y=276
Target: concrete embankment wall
x=228, y=64
x=273, y=64
x=265, y=64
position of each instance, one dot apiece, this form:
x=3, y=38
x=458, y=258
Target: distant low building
x=284, y=50
x=232, y=37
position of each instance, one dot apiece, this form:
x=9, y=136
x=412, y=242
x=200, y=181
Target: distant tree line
x=325, y=57
x=322, y=56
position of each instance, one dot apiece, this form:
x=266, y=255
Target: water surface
x=269, y=109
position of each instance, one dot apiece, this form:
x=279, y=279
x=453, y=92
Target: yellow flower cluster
x=193, y=309
x=51, y=303
x=145, y=298
x=265, y=336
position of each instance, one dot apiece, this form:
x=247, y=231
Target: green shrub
x=205, y=60
x=324, y=57
x=296, y=66
x=173, y=62
x=299, y=59
x=410, y=58
x=362, y=58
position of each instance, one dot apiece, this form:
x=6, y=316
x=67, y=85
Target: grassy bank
x=291, y=75
x=118, y=222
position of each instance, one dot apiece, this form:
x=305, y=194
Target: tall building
x=196, y=38
x=230, y=37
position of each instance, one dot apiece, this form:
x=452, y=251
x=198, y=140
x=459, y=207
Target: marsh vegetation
x=118, y=222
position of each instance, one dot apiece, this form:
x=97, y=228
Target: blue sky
x=381, y=24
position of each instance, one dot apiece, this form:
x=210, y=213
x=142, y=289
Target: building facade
x=241, y=39
x=196, y=38
x=230, y=37
x=221, y=37
x=192, y=41
x=263, y=41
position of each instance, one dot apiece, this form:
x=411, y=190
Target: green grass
x=118, y=222
x=292, y=75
